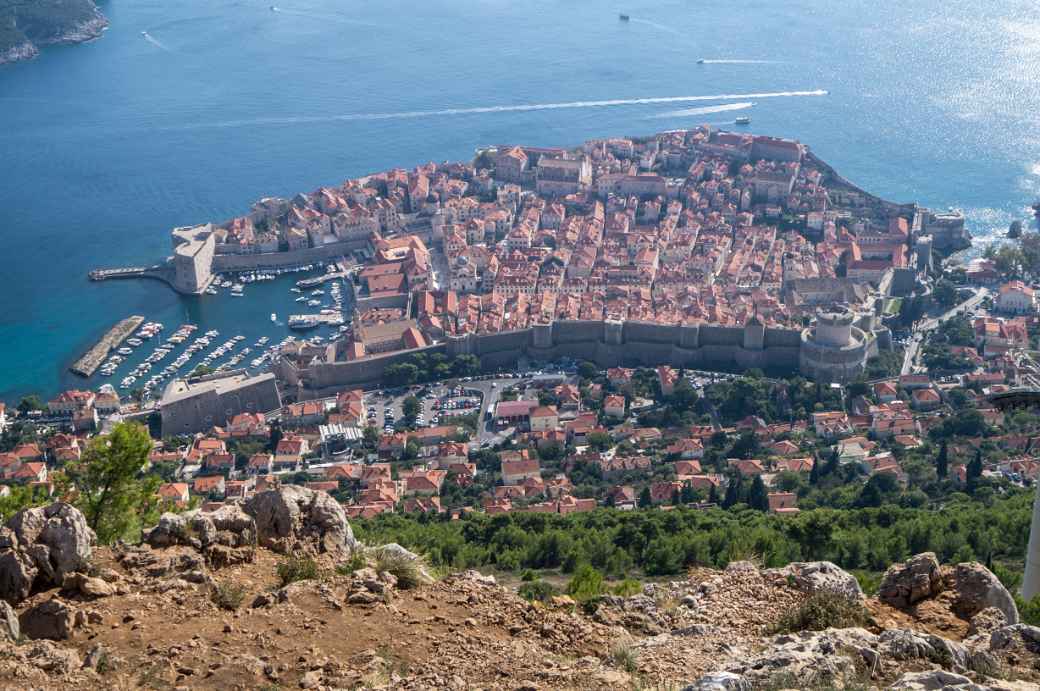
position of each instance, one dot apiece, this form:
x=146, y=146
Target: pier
x=88, y=364
x=343, y=272
x=160, y=272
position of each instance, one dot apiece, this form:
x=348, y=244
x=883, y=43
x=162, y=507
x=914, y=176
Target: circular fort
x=833, y=349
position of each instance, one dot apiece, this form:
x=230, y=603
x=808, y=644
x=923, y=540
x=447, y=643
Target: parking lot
x=439, y=404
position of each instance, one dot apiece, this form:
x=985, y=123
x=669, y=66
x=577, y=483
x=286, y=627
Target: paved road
x=929, y=324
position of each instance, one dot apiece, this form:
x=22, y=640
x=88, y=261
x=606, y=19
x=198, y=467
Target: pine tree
x=942, y=465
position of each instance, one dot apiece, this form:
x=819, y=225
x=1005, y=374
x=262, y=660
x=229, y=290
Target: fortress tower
x=833, y=349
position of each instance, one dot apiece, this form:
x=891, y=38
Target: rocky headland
x=27, y=25
x=277, y=592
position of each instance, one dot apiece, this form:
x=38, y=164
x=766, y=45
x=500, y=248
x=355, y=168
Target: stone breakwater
x=88, y=364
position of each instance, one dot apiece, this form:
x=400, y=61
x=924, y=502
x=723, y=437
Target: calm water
x=106, y=146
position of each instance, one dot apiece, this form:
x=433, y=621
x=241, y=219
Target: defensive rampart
x=606, y=343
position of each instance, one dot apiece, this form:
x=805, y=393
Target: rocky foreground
x=217, y=600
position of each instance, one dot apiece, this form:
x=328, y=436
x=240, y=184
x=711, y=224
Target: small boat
x=701, y=61
x=623, y=17
x=274, y=317
x=274, y=8
x=743, y=120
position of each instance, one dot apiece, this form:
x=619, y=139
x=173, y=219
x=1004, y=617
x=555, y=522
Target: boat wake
x=705, y=61
x=660, y=27
x=687, y=112
x=324, y=17
x=155, y=42
x=522, y=108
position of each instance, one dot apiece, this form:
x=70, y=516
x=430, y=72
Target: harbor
x=87, y=365
x=213, y=333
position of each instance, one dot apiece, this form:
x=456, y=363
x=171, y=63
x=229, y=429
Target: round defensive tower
x=833, y=349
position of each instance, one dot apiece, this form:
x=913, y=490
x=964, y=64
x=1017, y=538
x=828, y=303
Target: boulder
x=911, y=581
x=10, y=629
x=17, y=575
x=935, y=679
x=1016, y=635
x=51, y=619
x=987, y=621
x=293, y=517
x=720, y=681
x=396, y=550
x=51, y=658
x=225, y=536
x=819, y=658
x=904, y=644
x=976, y=588
x=40, y=546
x=815, y=576
x=87, y=586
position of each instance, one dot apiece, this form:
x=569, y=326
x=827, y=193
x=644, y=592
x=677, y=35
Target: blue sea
x=106, y=146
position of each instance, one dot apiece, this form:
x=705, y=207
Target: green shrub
x=1028, y=610
x=869, y=581
x=540, y=591
x=824, y=609
x=356, y=561
x=407, y=570
x=624, y=657
x=627, y=588
x=586, y=584
x=228, y=596
x=528, y=575
x=296, y=568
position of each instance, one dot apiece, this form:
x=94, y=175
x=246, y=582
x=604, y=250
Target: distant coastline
x=26, y=27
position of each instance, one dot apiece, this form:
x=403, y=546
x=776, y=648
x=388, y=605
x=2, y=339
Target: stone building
x=197, y=405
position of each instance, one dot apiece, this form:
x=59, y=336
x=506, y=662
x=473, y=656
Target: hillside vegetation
x=25, y=25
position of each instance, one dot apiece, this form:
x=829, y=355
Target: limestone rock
x=51, y=619
x=976, y=588
x=17, y=574
x=10, y=630
x=987, y=621
x=815, y=576
x=1016, y=635
x=935, y=679
x=225, y=536
x=720, y=681
x=903, y=644
x=817, y=657
x=87, y=586
x=40, y=546
x=911, y=581
x=293, y=517
x=396, y=550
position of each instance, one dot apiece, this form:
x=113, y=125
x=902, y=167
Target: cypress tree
x=942, y=465
x=974, y=472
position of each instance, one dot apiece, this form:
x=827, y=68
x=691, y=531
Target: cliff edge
x=277, y=592
x=26, y=25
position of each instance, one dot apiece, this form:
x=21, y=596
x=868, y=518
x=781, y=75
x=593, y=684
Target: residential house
x=614, y=406
x=783, y=502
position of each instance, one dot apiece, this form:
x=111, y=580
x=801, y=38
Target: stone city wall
x=641, y=344
x=276, y=260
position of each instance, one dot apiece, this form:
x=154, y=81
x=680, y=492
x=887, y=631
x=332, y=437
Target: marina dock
x=343, y=271
x=88, y=364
